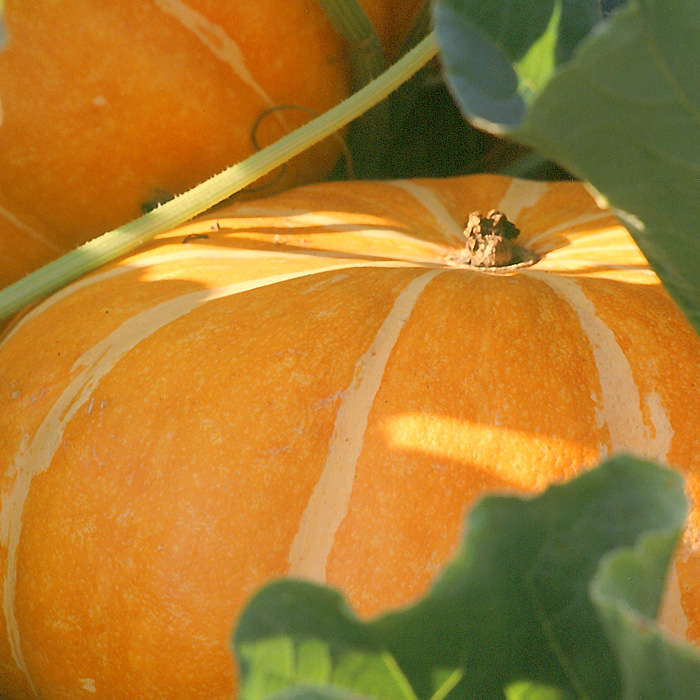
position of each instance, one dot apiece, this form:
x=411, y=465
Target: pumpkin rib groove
x=329, y=501
x=620, y=403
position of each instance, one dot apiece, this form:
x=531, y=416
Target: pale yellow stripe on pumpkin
x=671, y=615
x=35, y=457
x=215, y=38
x=543, y=240
x=431, y=203
x=621, y=405
x=147, y=261
x=330, y=499
x=521, y=194
x=18, y=223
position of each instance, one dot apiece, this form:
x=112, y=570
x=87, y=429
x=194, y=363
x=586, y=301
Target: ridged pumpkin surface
x=107, y=106
x=306, y=385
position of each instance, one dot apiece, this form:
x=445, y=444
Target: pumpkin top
x=418, y=222
x=421, y=221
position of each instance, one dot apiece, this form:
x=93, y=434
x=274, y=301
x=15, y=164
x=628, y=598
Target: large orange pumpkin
x=313, y=384
x=106, y=107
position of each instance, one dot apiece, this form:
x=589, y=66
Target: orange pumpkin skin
x=25, y=244
x=305, y=385
x=107, y=107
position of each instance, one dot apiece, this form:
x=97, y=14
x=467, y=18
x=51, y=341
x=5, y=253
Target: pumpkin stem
x=490, y=243
x=489, y=239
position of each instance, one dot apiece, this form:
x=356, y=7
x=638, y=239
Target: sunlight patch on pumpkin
x=321, y=230
x=585, y=222
x=593, y=253
x=495, y=449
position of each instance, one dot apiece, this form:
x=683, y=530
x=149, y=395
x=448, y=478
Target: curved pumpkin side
x=309, y=384
x=139, y=101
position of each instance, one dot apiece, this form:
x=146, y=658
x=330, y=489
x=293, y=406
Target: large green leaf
x=296, y=634
x=499, y=54
x=3, y=31
x=651, y=666
x=510, y=616
x=618, y=106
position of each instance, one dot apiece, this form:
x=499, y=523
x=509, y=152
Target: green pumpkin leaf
x=499, y=54
x=510, y=616
x=526, y=690
x=326, y=692
x=624, y=593
x=3, y=30
x=298, y=634
x=615, y=103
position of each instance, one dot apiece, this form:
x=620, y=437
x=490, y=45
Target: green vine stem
x=369, y=135
x=420, y=28
x=126, y=238
x=366, y=53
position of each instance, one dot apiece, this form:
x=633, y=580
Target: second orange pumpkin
x=107, y=107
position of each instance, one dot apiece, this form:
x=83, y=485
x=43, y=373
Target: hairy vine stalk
x=130, y=236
